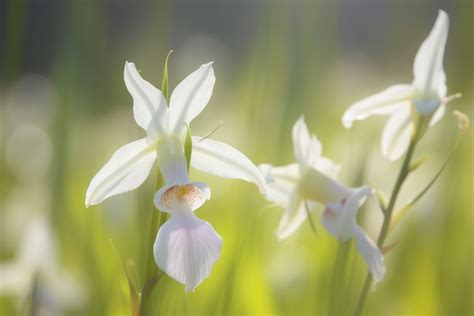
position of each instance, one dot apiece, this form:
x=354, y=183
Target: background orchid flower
x=36, y=267
x=286, y=185
x=427, y=94
x=186, y=247
x=340, y=220
x=312, y=179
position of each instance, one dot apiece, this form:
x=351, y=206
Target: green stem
x=338, y=277
x=403, y=174
x=152, y=272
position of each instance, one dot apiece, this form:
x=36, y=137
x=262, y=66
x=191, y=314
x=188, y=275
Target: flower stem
x=152, y=272
x=403, y=174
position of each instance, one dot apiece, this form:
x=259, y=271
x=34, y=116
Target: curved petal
x=350, y=210
x=186, y=248
x=222, y=160
x=428, y=66
x=191, y=96
x=146, y=98
x=293, y=217
x=382, y=103
x=438, y=115
x=306, y=147
x=396, y=134
x=125, y=171
x=371, y=253
x=281, y=182
x=339, y=218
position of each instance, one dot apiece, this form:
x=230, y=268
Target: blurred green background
x=64, y=110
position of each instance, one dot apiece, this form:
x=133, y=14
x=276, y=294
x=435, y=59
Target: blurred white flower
x=339, y=218
x=312, y=179
x=186, y=247
x=427, y=94
x=36, y=271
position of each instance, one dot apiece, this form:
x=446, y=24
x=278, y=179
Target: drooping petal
x=294, y=215
x=339, y=218
x=428, y=66
x=187, y=195
x=306, y=147
x=397, y=133
x=125, y=171
x=186, y=248
x=191, y=96
x=330, y=218
x=281, y=182
x=222, y=160
x=382, y=103
x=371, y=253
x=347, y=219
x=146, y=98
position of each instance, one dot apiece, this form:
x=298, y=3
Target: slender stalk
x=403, y=174
x=338, y=276
x=152, y=272
x=157, y=218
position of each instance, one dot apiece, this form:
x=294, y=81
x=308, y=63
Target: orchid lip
x=186, y=196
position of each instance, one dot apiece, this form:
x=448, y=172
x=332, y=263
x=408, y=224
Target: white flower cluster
x=186, y=247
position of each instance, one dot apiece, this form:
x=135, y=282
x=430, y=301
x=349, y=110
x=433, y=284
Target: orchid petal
x=339, y=218
x=186, y=248
x=222, y=160
x=396, y=134
x=294, y=215
x=352, y=205
x=125, y=171
x=428, y=66
x=327, y=167
x=281, y=182
x=306, y=147
x=191, y=96
x=146, y=98
x=382, y=103
x=371, y=253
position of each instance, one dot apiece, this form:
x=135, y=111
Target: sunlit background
x=64, y=110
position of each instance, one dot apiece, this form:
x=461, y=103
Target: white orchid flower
x=339, y=218
x=312, y=179
x=426, y=94
x=186, y=247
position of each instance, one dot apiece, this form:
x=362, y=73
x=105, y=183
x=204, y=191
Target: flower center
x=184, y=195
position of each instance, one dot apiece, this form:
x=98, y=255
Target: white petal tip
x=347, y=123
x=442, y=14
